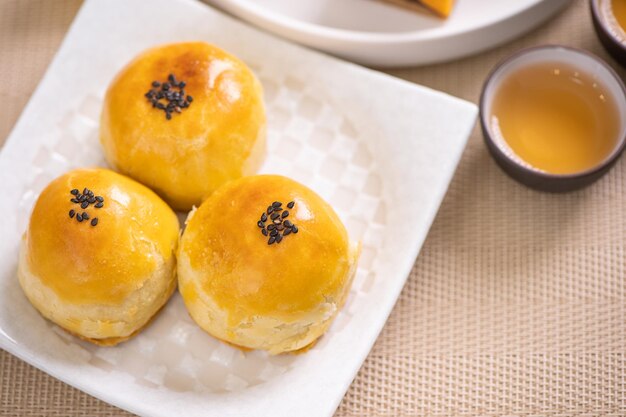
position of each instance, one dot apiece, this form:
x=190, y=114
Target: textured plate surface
x=382, y=151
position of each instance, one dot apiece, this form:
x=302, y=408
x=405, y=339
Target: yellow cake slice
x=441, y=7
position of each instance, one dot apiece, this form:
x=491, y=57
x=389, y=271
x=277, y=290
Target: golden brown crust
x=278, y=297
x=218, y=138
x=105, y=263
x=101, y=281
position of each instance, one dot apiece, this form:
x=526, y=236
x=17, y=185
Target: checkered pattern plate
x=379, y=150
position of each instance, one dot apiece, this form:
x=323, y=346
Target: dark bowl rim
x=610, y=159
x=599, y=17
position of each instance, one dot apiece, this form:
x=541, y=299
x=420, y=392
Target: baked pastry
x=265, y=263
x=98, y=258
x=184, y=119
x=442, y=7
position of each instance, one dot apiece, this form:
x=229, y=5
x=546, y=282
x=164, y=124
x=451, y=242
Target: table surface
x=516, y=304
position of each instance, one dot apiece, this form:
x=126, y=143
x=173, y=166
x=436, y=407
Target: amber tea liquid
x=556, y=118
x=619, y=11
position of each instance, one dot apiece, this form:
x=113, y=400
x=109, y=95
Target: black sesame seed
x=279, y=226
x=72, y=212
x=85, y=216
x=271, y=240
x=99, y=205
x=84, y=204
x=79, y=218
x=99, y=198
x=94, y=221
x=74, y=191
x=260, y=224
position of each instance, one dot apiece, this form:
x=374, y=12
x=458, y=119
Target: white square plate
x=381, y=150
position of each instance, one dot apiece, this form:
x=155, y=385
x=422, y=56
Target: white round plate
x=372, y=32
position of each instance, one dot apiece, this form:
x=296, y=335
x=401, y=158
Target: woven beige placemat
x=516, y=305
